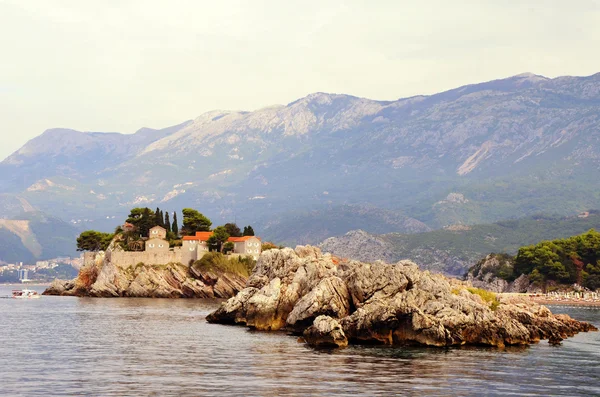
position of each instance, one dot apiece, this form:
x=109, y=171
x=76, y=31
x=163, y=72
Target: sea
x=67, y=346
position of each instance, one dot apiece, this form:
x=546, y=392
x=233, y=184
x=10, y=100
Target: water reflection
x=73, y=346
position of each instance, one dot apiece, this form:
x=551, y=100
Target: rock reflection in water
x=132, y=347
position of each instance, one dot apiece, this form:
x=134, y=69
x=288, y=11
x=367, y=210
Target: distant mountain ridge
x=511, y=147
x=453, y=250
x=36, y=236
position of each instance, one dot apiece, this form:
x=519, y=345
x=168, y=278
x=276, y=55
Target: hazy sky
x=121, y=65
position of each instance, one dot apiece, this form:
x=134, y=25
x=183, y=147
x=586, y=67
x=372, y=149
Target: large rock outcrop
x=333, y=303
x=102, y=278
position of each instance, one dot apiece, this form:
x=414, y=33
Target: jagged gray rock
x=330, y=296
x=325, y=332
x=334, y=302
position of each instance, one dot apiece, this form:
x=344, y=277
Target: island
x=332, y=302
x=148, y=256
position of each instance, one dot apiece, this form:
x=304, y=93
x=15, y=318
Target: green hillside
x=34, y=236
x=468, y=244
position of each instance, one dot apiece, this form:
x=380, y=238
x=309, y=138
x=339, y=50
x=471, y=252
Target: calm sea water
x=156, y=347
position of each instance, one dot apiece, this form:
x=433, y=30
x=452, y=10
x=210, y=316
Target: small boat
x=25, y=294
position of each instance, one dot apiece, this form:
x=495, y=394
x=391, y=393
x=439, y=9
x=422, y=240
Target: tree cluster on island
x=141, y=219
x=572, y=260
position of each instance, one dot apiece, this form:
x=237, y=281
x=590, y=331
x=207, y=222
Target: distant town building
x=42, y=264
x=23, y=275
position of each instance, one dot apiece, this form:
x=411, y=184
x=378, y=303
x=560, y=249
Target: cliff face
x=488, y=272
x=102, y=278
x=334, y=302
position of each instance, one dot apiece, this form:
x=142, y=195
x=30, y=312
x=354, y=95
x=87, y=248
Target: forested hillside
x=454, y=249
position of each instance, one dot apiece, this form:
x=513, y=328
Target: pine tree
x=194, y=221
x=233, y=230
x=248, y=231
x=175, y=227
x=167, y=222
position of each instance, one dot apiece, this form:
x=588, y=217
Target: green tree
x=167, y=222
x=175, y=226
x=248, y=231
x=158, y=218
x=218, y=238
x=142, y=219
x=194, y=221
x=228, y=247
x=92, y=240
x=233, y=230
x=592, y=282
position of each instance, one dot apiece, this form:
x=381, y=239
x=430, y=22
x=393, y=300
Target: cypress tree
x=175, y=227
x=167, y=222
x=161, y=218
x=157, y=218
x=146, y=222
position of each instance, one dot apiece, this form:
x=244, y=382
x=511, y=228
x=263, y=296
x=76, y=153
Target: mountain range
x=329, y=163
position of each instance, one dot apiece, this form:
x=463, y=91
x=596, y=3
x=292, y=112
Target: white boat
x=25, y=294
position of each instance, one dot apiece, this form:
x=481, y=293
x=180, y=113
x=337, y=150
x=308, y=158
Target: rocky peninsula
x=103, y=278
x=333, y=302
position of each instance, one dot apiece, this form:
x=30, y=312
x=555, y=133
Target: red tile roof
x=200, y=236
x=240, y=239
x=203, y=236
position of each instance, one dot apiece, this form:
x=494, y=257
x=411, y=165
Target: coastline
x=557, y=300
x=566, y=302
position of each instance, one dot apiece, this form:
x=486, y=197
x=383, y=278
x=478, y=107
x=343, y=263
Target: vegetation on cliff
x=216, y=261
x=92, y=240
x=570, y=260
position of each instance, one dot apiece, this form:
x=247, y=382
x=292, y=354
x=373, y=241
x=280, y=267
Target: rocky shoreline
x=565, y=302
x=102, y=278
x=332, y=303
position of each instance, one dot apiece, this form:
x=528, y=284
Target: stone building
x=157, y=251
x=194, y=247
x=247, y=245
x=157, y=240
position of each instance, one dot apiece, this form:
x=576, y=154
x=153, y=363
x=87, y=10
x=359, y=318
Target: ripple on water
x=83, y=346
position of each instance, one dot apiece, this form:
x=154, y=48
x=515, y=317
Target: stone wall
x=127, y=259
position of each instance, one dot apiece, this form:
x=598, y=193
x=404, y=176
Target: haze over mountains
x=476, y=154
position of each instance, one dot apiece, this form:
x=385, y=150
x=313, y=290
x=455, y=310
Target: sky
x=126, y=64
